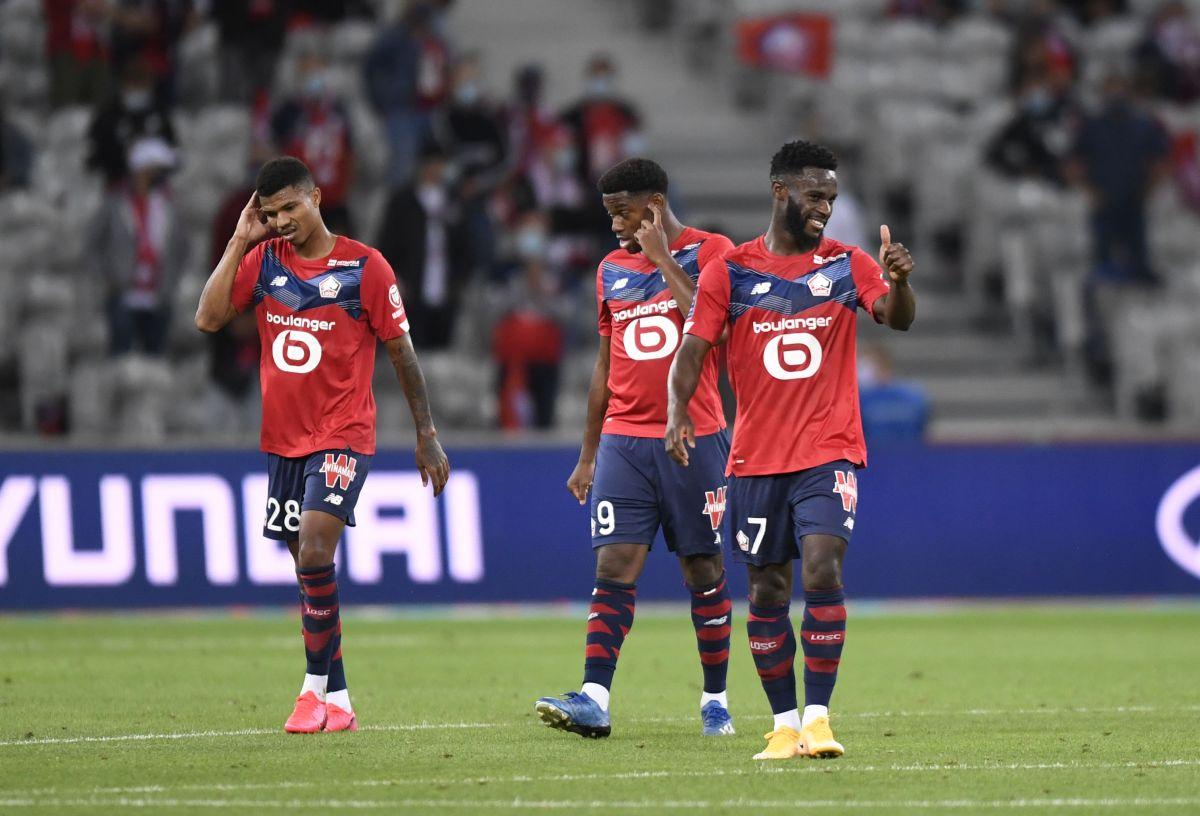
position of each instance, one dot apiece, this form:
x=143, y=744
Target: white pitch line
x=637, y=804
x=427, y=726
x=791, y=769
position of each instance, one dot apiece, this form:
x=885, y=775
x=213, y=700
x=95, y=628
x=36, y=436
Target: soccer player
x=643, y=290
x=321, y=301
x=789, y=299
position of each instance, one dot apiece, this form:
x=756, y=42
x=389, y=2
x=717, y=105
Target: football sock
x=720, y=696
x=609, y=620
x=320, y=617
x=773, y=646
x=814, y=712
x=823, y=634
x=338, y=694
x=316, y=684
x=597, y=692
x=790, y=719
x=712, y=615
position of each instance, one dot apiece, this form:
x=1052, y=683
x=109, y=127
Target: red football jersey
x=318, y=321
x=641, y=318
x=792, y=360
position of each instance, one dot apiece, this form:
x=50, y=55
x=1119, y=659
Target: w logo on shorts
x=339, y=471
x=714, y=506
x=846, y=483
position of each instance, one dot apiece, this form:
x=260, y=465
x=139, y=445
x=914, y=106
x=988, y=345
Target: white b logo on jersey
x=649, y=338
x=794, y=356
x=295, y=351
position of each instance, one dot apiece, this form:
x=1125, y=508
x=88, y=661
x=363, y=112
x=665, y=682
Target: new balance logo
x=717, y=621
x=279, y=280
x=761, y=288
x=593, y=615
x=334, y=499
x=339, y=470
x=848, y=523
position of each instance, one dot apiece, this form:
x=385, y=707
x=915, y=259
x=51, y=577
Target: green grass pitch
x=1029, y=709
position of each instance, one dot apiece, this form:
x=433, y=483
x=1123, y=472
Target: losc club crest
x=394, y=296
x=330, y=287
x=820, y=285
x=1181, y=546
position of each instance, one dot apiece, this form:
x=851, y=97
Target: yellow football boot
x=816, y=740
x=782, y=743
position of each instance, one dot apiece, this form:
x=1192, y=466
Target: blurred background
x=1039, y=157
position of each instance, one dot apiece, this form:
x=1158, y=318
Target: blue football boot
x=717, y=721
x=574, y=712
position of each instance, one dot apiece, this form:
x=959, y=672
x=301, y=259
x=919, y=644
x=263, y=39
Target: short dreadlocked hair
x=634, y=176
x=281, y=173
x=793, y=157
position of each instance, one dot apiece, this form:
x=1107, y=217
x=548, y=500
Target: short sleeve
x=603, y=315
x=248, y=271
x=715, y=247
x=869, y=280
x=710, y=306
x=381, y=299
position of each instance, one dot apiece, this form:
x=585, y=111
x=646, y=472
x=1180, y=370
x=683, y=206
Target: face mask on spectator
x=136, y=99
x=315, y=85
x=467, y=93
x=531, y=243
x=599, y=85
x=1037, y=101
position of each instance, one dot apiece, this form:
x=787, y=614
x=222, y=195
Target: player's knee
x=315, y=551
x=769, y=589
x=702, y=570
x=822, y=573
x=615, y=563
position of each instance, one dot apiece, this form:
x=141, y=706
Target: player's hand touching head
x=634, y=192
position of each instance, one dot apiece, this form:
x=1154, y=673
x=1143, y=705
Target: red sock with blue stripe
x=712, y=618
x=773, y=646
x=823, y=635
x=609, y=620
x=321, y=620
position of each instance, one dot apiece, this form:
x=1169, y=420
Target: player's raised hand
x=581, y=480
x=432, y=463
x=251, y=226
x=681, y=435
x=652, y=237
x=894, y=258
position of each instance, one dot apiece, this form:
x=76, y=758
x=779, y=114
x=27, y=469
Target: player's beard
x=795, y=222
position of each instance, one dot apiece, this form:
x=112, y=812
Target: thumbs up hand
x=894, y=258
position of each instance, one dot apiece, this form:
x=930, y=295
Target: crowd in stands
x=131, y=130
x=484, y=206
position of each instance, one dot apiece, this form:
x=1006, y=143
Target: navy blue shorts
x=772, y=514
x=328, y=481
x=638, y=488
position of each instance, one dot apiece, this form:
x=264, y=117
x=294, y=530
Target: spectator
x=406, y=80
x=530, y=123
x=251, y=37
x=76, y=50
x=892, y=411
x=1036, y=141
x=135, y=111
x=16, y=156
x=315, y=128
x=423, y=238
x=149, y=31
x=1168, y=58
x=527, y=344
x=471, y=128
x=1119, y=156
x=138, y=249
x=606, y=127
